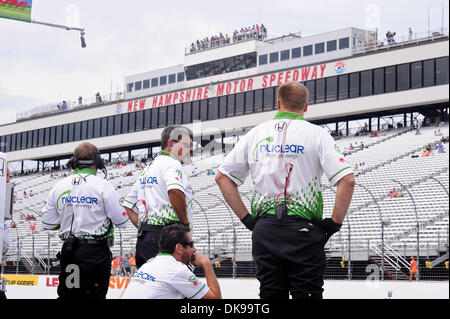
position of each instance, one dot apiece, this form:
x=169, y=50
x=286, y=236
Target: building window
x=239, y=62
x=111, y=120
x=187, y=118
x=442, y=71
x=284, y=55
x=180, y=77
x=162, y=116
x=154, y=82
x=137, y=86
x=222, y=107
x=147, y=119
x=130, y=87
x=344, y=43
x=250, y=60
x=195, y=111
x=331, y=85
x=249, y=103
x=263, y=59
x=331, y=45
x=230, y=105
x=343, y=86
x=213, y=108
x=77, y=133
x=296, y=53
x=273, y=57
x=163, y=80
x=378, y=81
x=428, y=72
x=132, y=121
x=170, y=114
x=204, y=110
x=258, y=100
x=354, y=85
x=307, y=50
x=154, y=118
x=172, y=78
x=310, y=85
x=178, y=114
x=416, y=75
x=403, y=77
x=146, y=84
x=117, y=124
x=366, y=83
x=97, y=127
x=239, y=108
x=389, y=79
x=319, y=48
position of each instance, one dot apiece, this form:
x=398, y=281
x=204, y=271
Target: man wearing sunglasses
x=167, y=275
x=162, y=193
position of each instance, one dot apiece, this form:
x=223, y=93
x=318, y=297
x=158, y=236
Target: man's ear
x=306, y=107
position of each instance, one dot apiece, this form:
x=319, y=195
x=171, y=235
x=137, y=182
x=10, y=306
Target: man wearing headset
x=162, y=194
x=84, y=207
x=286, y=157
x=168, y=276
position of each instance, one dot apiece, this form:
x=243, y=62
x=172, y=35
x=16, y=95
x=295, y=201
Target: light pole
x=207, y=225
x=417, y=225
x=234, y=232
x=384, y=222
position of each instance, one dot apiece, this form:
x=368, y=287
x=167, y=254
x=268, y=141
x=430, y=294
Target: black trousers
x=85, y=272
x=147, y=244
x=289, y=257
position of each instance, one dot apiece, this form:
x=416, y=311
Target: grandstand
x=377, y=225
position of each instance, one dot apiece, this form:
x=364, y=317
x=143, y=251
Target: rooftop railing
x=401, y=41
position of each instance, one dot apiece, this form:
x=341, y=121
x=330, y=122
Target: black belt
x=287, y=217
x=91, y=241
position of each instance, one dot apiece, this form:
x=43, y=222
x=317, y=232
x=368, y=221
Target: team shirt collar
x=288, y=115
x=170, y=154
x=84, y=171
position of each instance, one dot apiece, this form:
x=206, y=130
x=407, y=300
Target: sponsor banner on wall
x=16, y=9
x=21, y=280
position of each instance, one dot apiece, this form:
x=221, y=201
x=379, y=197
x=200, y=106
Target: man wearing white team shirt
x=167, y=276
x=162, y=194
x=286, y=158
x=84, y=207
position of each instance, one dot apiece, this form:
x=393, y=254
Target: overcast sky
x=41, y=65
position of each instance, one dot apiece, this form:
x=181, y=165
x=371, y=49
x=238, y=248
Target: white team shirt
x=91, y=201
x=269, y=149
x=161, y=175
x=163, y=277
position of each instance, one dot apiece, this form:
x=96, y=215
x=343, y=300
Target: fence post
x=207, y=225
x=417, y=226
x=234, y=232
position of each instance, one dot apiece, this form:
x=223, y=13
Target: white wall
x=249, y=289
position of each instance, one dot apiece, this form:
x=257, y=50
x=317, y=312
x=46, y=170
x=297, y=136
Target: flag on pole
x=16, y=9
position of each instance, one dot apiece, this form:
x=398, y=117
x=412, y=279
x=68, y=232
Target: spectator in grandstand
x=126, y=265
x=400, y=193
x=363, y=168
x=167, y=276
x=441, y=148
x=31, y=193
x=288, y=234
x=410, y=34
x=98, y=98
x=133, y=264
x=418, y=131
x=80, y=100
x=166, y=201
x=115, y=269
x=86, y=225
x=426, y=153
x=438, y=132
x=413, y=269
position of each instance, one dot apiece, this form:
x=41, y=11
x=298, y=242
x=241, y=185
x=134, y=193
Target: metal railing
x=401, y=41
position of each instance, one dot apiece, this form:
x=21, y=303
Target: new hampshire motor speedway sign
x=16, y=10
x=231, y=87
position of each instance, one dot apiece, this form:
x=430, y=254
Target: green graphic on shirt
x=57, y=201
x=306, y=203
x=269, y=139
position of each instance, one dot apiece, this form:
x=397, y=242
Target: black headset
x=98, y=161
